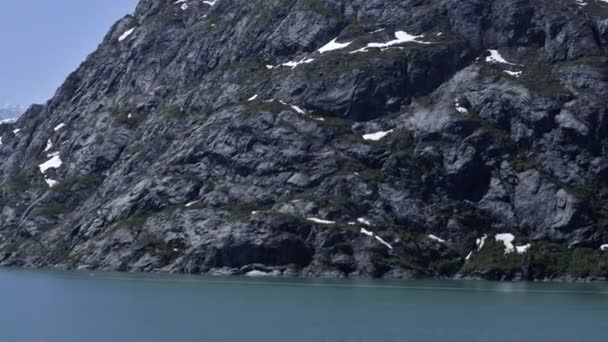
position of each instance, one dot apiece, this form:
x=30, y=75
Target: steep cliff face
x=323, y=138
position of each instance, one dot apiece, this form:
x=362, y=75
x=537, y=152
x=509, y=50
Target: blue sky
x=42, y=41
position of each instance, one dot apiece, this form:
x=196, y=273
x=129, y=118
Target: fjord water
x=92, y=307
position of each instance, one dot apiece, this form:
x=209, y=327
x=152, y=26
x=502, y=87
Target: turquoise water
x=88, y=307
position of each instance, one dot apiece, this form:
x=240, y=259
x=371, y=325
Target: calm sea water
x=91, y=307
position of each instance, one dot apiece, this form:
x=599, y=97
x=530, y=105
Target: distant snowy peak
x=10, y=112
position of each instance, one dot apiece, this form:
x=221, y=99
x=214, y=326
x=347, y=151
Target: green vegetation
x=172, y=112
x=544, y=259
x=257, y=106
x=78, y=183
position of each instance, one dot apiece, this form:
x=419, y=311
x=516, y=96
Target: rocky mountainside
x=370, y=138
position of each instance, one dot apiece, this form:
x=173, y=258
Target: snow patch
x=366, y=232
x=377, y=136
x=50, y=182
x=58, y=127
x=298, y=109
x=49, y=145
x=522, y=249
x=513, y=73
x=126, y=34
x=16, y=130
x=436, y=238
x=53, y=163
x=320, y=221
x=459, y=108
x=383, y=242
x=481, y=242
x=507, y=240
x=333, y=45
x=210, y=3
x=604, y=247
x=188, y=205
x=401, y=37
x=253, y=97
x=256, y=273
x=364, y=221
x=496, y=57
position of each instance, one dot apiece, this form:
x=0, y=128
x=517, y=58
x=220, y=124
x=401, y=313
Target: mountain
x=10, y=112
x=376, y=138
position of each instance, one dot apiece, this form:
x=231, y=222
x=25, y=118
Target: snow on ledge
x=604, y=247
x=320, y=221
x=496, y=57
x=126, y=34
x=53, y=163
x=333, y=45
x=401, y=37
x=383, y=242
x=58, y=127
x=377, y=136
x=366, y=232
x=364, y=221
x=436, y=238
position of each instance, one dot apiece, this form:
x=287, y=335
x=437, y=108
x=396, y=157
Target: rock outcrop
x=376, y=138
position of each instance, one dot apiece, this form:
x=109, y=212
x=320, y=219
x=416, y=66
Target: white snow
x=522, y=249
x=210, y=3
x=495, y=57
x=320, y=221
x=126, y=34
x=192, y=203
x=513, y=73
x=294, y=64
x=333, y=45
x=49, y=145
x=53, y=163
x=364, y=221
x=377, y=136
x=481, y=242
x=436, y=238
x=383, y=242
x=50, y=182
x=253, y=97
x=16, y=130
x=298, y=109
x=371, y=234
x=401, y=37
x=58, y=127
x=507, y=240
x=291, y=64
x=604, y=247
x=460, y=109
x=366, y=232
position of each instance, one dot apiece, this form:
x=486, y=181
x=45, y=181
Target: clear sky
x=42, y=41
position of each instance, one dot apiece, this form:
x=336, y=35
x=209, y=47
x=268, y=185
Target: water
x=87, y=307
